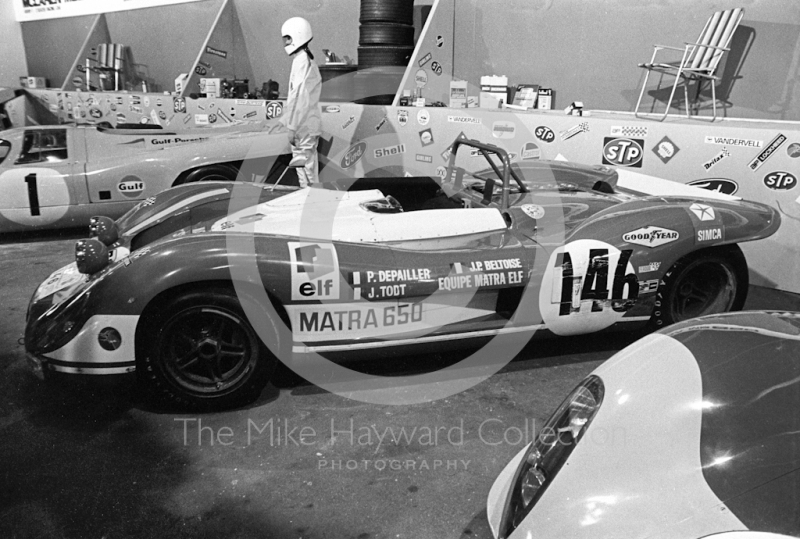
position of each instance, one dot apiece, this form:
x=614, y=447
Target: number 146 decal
x=592, y=283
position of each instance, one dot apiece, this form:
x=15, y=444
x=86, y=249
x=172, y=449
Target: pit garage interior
x=92, y=458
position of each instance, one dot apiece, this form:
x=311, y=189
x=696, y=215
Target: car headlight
x=48, y=329
x=548, y=453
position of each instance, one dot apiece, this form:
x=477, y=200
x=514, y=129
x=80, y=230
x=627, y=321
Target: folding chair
x=700, y=59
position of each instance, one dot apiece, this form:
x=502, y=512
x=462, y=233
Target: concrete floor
x=86, y=462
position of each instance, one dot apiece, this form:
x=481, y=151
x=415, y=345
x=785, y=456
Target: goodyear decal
x=315, y=271
x=759, y=160
x=651, y=236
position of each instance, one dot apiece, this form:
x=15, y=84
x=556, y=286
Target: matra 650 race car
x=60, y=176
x=690, y=432
x=414, y=265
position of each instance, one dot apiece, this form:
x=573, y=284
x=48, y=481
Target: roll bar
x=486, y=151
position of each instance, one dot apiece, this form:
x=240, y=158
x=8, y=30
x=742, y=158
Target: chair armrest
x=709, y=46
x=680, y=49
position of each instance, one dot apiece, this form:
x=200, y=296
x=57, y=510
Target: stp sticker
x=545, y=134
x=274, y=109
x=720, y=185
x=651, y=236
x=423, y=117
x=179, y=105
x=588, y=285
x=780, y=181
x=353, y=154
x=623, y=152
x=666, y=150
x=436, y=67
x=315, y=271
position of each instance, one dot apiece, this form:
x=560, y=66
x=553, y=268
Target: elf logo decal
x=780, y=181
x=623, y=152
x=545, y=134
x=651, y=236
x=353, y=154
x=130, y=186
x=588, y=285
x=315, y=271
x=719, y=185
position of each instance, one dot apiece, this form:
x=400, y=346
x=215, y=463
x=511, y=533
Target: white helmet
x=299, y=30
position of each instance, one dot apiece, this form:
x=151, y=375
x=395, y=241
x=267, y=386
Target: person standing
x=302, y=115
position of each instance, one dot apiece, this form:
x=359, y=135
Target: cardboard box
x=545, y=99
x=458, y=94
x=526, y=95
x=211, y=87
x=36, y=82
x=494, y=91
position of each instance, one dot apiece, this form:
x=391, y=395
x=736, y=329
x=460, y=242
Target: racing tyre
x=210, y=173
x=201, y=353
x=386, y=34
x=710, y=281
x=380, y=55
x=398, y=11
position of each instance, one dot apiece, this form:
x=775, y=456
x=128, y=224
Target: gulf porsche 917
x=60, y=176
x=417, y=264
x=689, y=432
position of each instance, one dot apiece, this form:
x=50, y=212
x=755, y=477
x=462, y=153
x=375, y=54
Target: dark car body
x=349, y=271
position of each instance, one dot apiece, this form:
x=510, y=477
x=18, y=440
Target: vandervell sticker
x=728, y=141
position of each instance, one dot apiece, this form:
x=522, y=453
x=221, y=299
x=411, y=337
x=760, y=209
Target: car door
x=39, y=177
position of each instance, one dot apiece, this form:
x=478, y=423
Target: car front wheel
x=710, y=281
x=204, y=354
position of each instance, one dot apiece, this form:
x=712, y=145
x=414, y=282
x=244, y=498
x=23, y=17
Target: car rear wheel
x=203, y=353
x=208, y=174
x=710, y=281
